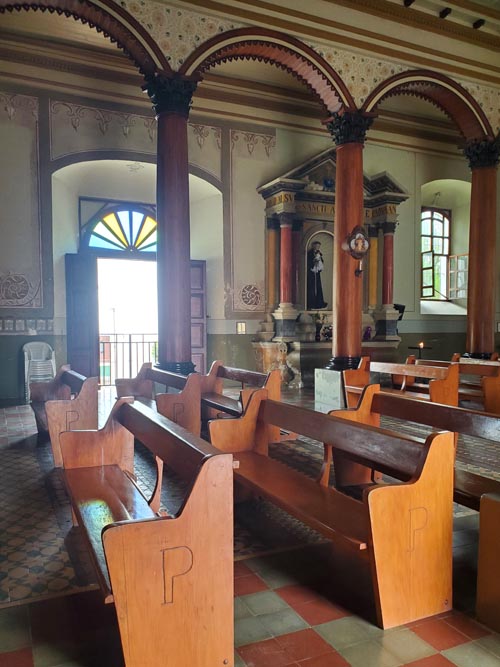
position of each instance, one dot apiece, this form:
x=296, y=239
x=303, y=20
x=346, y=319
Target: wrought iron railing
x=122, y=355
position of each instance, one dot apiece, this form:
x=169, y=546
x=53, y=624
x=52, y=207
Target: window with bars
x=435, y=249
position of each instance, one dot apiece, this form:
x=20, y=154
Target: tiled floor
x=288, y=610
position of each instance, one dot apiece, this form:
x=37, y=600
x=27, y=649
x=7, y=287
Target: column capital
x=483, y=153
x=273, y=222
x=286, y=219
x=373, y=230
x=389, y=227
x=171, y=94
x=349, y=127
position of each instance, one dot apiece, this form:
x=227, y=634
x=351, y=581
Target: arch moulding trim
x=109, y=18
x=277, y=49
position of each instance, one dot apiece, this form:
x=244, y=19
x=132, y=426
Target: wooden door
x=82, y=314
x=198, y=315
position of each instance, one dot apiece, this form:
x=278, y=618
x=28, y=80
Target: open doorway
x=128, y=316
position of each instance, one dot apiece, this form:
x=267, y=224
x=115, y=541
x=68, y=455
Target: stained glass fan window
x=128, y=230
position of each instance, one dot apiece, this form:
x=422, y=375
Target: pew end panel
x=488, y=581
x=178, y=572
x=183, y=408
x=140, y=385
x=79, y=413
x=245, y=433
x=445, y=390
x=111, y=445
x=41, y=392
x=412, y=526
x=491, y=392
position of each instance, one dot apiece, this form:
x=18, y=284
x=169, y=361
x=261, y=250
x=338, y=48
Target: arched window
x=435, y=247
x=121, y=228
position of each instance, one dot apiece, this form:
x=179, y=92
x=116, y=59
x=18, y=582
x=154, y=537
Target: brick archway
x=277, y=49
x=110, y=19
x=442, y=92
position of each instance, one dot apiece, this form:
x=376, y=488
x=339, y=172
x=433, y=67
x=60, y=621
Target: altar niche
x=300, y=212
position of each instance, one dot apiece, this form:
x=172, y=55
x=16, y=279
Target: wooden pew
x=213, y=399
x=170, y=577
x=479, y=380
x=472, y=490
x=70, y=414
x=401, y=534
x=442, y=387
x=183, y=407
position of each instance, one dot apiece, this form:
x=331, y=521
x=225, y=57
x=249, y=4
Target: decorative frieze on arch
x=441, y=91
x=277, y=49
x=110, y=19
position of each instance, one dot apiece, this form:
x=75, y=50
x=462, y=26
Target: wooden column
x=483, y=158
x=171, y=97
x=296, y=236
x=286, y=259
x=272, y=263
x=388, y=264
x=348, y=130
x=373, y=267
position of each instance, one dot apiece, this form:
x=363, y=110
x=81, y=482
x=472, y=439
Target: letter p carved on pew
x=177, y=561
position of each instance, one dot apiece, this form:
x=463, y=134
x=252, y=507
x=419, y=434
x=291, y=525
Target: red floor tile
x=439, y=634
x=328, y=660
x=296, y=594
x=437, y=660
x=248, y=584
x=22, y=658
x=241, y=570
x=303, y=644
x=267, y=653
x=319, y=611
x=467, y=626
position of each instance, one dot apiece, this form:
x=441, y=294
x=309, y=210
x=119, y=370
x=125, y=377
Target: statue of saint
x=314, y=269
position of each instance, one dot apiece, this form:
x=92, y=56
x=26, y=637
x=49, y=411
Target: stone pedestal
x=328, y=390
x=284, y=318
x=386, y=324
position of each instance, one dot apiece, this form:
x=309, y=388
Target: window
x=458, y=275
x=122, y=229
x=435, y=248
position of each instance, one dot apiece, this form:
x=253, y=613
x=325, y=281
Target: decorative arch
x=112, y=20
x=444, y=93
x=278, y=49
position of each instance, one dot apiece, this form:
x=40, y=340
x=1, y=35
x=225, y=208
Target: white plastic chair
x=39, y=364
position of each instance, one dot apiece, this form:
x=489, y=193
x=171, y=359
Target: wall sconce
x=241, y=327
x=357, y=245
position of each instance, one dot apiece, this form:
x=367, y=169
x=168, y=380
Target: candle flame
x=421, y=344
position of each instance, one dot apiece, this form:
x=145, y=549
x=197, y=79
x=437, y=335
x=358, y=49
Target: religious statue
x=314, y=268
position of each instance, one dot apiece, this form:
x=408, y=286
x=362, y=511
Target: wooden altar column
x=373, y=267
x=388, y=229
x=348, y=130
x=483, y=158
x=286, y=259
x=272, y=268
x=296, y=238
x=171, y=97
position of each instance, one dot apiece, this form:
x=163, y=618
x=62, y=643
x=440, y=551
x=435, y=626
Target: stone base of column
x=179, y=367
x=342, y=363
x=386, y=324
x=328, y=390
x=285, y=317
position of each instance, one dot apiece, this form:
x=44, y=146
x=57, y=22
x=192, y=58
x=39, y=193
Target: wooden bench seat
x=442, y=387
x=67, y=403
x=213, y=399
x=181, y=406
x=470, y=489
x=479, y=380
x=379, y=530
x=154, y=567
